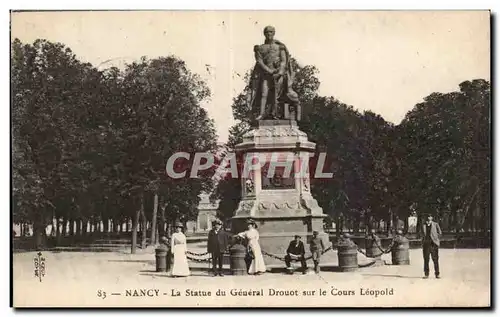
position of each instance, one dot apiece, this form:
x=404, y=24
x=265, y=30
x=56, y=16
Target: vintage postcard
x=251, y=158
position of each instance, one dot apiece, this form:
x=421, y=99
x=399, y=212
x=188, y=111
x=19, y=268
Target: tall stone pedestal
x=282, y=205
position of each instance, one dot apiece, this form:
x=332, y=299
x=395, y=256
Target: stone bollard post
x=372, y=242
x=161, y=259
x=400, y=250
x=347, y=253
x=237, y=255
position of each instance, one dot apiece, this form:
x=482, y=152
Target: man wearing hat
x=317, y=247
x=296, y=251
x=218, y=242
x=430, y=245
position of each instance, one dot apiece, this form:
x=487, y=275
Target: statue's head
x=269, y=32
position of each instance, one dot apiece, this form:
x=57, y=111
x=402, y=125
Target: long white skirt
x=180, y=266
x=258, y=265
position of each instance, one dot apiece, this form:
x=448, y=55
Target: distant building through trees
x=207, y=212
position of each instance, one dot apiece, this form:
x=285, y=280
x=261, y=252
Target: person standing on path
x=430, y=245
x=178, y=244
x=218, y=242
x=317, y=247
x=257, y=266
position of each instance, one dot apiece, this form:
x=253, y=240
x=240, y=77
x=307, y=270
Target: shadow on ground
x=152, y=262
x=196, y=271
x=391, y=275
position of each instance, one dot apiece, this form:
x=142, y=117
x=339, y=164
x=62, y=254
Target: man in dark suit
x=430, y=245
x=218, y=242
x=296, y=252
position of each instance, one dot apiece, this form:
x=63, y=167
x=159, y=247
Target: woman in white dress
x=252, y=235
x=179, y=248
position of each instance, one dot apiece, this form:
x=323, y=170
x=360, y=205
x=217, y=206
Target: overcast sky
x=374, y=60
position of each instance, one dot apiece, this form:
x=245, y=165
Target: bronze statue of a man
x=272, y=78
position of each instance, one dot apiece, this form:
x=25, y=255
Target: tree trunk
x=64, y=230
x=466, y=214
x=58, y=232
x=39, y=234
x=477, y=215
x=161, y=222
x=105, y=223
x=144, y=226
x=52, y=229
x=486, y=223
x=127, y=225
x=153, y=221
x=135, y=225
x=170, y=227
x=390, y=223
x=78, y=227
x=338, y=227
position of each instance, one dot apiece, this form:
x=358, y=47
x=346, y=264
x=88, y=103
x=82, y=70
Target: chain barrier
x=283, y=259
x=369, y=257
x=198, y=260
x=273, y=256
x=364, y=253
x=389, y=248
x=192, y=255
x=367, y=264
x=196, y=254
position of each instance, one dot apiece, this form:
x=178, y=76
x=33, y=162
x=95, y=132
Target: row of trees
x=91, y=145
x=436, y=160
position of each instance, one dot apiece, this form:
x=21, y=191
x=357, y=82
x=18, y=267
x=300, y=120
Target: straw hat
x=252, y=222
